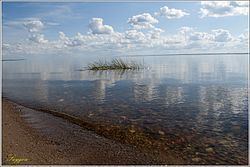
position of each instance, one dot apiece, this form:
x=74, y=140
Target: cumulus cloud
x=187, y=38
x=135, y=35
x=66, y=41
x=223, y=8
x=196, y=36
x=62, y=36
x=155, y=33
x=185, y=29
x=171, y=13
x=221, y=35
x=91, y=41
x=217, y=35
x=6, y=46
x=142, y=38
x=244, y=37
x=33, y=25
x=96, y=26
x=38, y=38
x=240, y=3
x=142, y=21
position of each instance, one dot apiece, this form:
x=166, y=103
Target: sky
x=125, y=27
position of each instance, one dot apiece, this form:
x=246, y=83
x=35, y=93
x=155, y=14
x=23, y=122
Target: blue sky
x=136, y=27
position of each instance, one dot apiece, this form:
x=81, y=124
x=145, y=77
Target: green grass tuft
x=115, y=64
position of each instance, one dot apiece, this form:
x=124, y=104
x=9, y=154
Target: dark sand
x=34, y=137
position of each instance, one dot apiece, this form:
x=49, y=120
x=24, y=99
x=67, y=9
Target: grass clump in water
x=115, y=64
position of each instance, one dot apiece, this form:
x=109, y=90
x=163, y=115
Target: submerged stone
x=90, y=115
x=131, y=130
x=123, y=117
x=161, y=132
x=209, y=150
x=196, y=159
x=61, y=100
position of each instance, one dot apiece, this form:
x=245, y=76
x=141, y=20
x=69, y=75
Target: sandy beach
x=32, y=137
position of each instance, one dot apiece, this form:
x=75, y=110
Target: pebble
x=196, y=159
x=161, y=132
x=131, y=130
x=123, y=117
x=90, y=115
x=236, y=127
x=209, y=150
x=61, y=100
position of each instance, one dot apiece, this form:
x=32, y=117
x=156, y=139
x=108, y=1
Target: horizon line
x=172, y=54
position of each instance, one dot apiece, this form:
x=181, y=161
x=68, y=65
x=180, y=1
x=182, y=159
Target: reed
x=115, y=64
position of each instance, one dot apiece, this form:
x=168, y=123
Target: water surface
x=194, y=105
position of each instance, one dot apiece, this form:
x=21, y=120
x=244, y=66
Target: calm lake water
x=194, y=105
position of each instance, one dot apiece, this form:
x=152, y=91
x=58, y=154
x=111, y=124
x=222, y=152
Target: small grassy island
x=115, y=64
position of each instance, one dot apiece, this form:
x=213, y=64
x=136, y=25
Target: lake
x=194, y=105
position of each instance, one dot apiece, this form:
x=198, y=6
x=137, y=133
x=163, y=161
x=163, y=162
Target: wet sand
x=33, y=137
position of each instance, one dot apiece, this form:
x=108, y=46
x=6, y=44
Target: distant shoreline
x=183, y=54
x=13, y=59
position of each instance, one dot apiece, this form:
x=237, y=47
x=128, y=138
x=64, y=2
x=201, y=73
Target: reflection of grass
x=115, y=64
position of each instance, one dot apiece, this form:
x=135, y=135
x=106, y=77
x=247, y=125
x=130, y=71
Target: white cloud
x=33, y=25
x=241, y=3
x=196, y=36
x=62, y=36
x=91, y=41
x=219, y=40
x=134, y=35
x=96, y=26
x=145, y=37
x=185, y=29
x=218, y=35
x=171, y=13
x=38, y=38
x=223, y=8
x=142, y=21
x=221, y=35
x=66, y=41
x=155, y=33
x=52, y=24
x=187, y=38
x=244, y=37
x=6, y=46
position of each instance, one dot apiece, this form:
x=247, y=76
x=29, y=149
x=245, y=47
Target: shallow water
x=193, y=105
